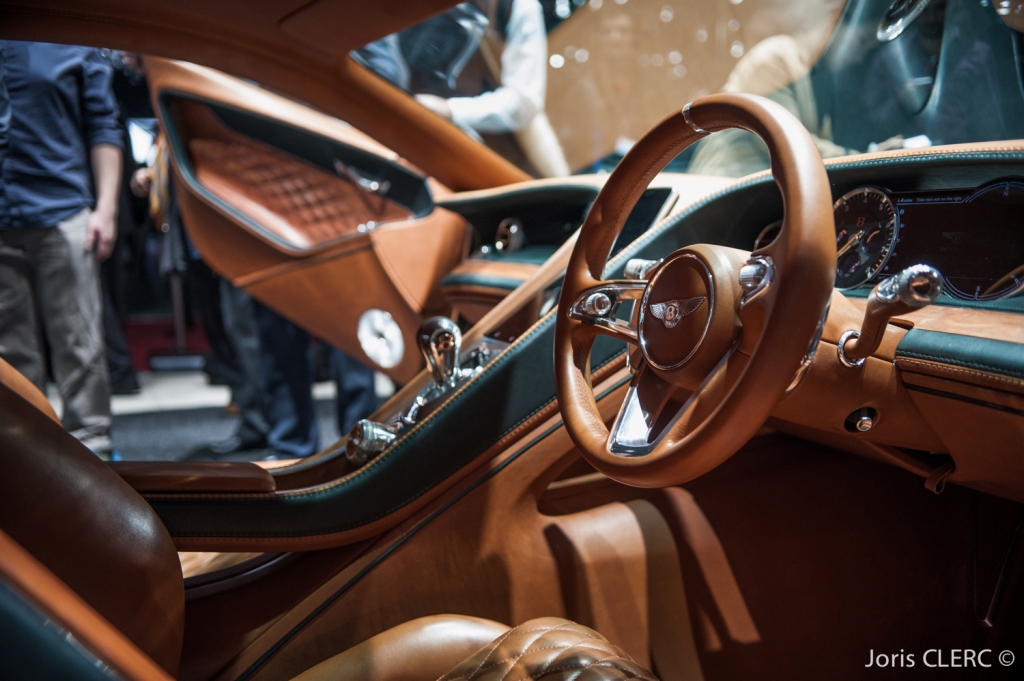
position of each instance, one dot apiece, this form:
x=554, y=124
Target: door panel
x=262, y=193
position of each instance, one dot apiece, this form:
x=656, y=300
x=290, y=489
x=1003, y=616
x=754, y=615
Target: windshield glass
x=567, y=86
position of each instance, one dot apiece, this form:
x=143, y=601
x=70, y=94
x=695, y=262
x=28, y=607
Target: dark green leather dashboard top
x=521, y=381
x=983, y=354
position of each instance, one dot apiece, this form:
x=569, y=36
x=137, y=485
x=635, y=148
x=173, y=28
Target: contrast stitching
x=517, y=656
x=527, y=650
x=584, y=665
x=326, y=488
x=498, y=642
x=960, y=362
x=941, y=366
x=373, y=519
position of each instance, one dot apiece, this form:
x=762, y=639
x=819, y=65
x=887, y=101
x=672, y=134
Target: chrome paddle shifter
x=440, y=341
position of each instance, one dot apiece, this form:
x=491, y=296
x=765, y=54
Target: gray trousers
x=247, y=385
x=49, y=284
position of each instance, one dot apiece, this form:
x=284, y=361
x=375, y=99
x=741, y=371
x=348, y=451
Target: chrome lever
x=911, y=289
x=378, y=187
x=441, y=344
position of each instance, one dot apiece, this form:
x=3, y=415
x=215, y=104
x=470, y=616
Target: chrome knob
x=597, y=304
x=441, y=344
x=637, y=269
x=510, y=236
x=366, y=440
x=916, y=286
x=864, y=423
x=752, y=274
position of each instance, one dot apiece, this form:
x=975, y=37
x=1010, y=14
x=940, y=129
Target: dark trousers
x=357, y=397
x=244, y=375
x=230, y=324
x=119, y=356
x=286, y=359
x=287, y=364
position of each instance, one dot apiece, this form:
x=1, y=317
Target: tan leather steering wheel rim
x=766, y=337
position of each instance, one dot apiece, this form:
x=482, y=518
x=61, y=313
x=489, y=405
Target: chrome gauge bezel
x=870, y=273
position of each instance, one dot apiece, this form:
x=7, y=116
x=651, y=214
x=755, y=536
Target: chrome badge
x=672, y=311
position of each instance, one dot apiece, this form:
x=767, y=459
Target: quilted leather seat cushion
x=549, y=648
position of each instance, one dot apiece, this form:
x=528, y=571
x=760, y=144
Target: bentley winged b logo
x=672, y=311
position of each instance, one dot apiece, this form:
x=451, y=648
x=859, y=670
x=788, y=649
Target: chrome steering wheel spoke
x=642, y=420
x=646, y=399
x=598, y=306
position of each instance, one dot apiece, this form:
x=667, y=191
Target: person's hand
x=438, y=105
x=100, y=233
x=894, y=142
x=141, y=182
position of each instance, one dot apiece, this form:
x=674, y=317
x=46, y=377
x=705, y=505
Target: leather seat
x=90, y=529
x=442, y=647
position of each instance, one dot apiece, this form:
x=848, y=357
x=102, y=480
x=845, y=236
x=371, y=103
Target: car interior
x=651, y=424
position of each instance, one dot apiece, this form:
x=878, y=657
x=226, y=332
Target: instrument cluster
x=974, y=237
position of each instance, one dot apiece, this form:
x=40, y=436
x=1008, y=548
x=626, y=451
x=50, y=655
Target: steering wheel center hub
x=676, y=311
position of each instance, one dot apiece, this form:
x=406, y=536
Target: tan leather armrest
x=194, y=476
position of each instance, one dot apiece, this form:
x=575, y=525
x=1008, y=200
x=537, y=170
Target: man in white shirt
x=520, y=96
x=517, y=104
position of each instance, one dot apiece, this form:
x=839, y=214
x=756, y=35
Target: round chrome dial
x=866, y=231
x=381, y=338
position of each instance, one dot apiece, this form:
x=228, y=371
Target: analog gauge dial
x=866, y=231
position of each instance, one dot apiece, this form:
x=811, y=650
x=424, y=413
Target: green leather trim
x=998, y=357
x=529, y=255
x=562, y=192
x=482, y=281
x=514, y=387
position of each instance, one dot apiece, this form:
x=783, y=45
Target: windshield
x=567, y=86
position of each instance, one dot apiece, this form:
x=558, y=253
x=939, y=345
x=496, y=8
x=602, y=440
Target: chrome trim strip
x=812, y=349
x=766, y=280
x=841, y=350
x=616, y=293
x=689, y=121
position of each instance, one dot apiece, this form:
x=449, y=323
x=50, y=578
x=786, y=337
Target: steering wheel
x=719, y=334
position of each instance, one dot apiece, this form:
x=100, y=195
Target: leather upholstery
x=194, y=476
x=419, y=650
x=62, y=608
x=549, y=648
x=88, y=527
x=975, y=360
x=301, y=204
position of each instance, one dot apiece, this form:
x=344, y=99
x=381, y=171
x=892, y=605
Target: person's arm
x=101, y=232
x=104, y=138
x=524, y=64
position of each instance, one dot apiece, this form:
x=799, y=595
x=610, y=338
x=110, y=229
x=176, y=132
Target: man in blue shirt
x=58, y=214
